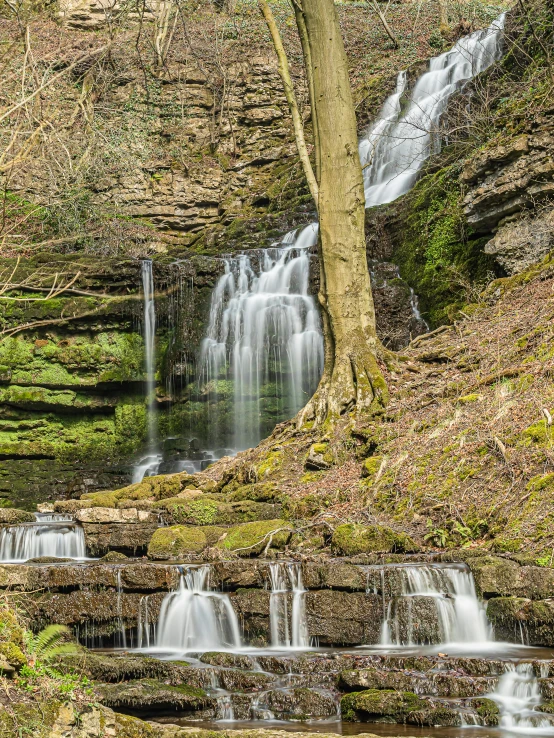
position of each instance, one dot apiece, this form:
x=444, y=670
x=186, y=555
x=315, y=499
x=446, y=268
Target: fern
x=51, y=642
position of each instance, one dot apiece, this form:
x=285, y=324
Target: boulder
x=12, y=516
x=380, y=703
x=148, y=694
x=250, y=539
x=110, y=515
x=208, y=510
x=496, y=576
x=350, y=539
x=182, y=541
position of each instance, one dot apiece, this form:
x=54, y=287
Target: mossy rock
x=209, y=510
x=254, y=537
x=12, y=654
x=180, y=541
x=381, y=703
x=258, y=492
x=36, y=718
x=146, y=694
x=13, y=516
x=352, y=538
x=371, y=466
x=132, y=727
x=113, y=557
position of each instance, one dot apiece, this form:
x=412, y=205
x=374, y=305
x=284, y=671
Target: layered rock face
x=504, y=182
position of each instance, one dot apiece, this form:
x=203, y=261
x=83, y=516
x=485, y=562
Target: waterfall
x=193, y=618
x=517, y=695
x=461, y=616
x=150, y=464
x=403, y=137
x=287, y=578
x=264, y=333
x=51, y=535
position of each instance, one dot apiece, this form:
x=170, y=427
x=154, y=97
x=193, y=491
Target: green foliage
x=440, y=257
x=50, y=643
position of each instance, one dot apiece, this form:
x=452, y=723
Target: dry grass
x=466, y=442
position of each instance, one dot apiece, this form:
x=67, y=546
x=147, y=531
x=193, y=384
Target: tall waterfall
x=51, y=535
x=264, y=334
x=150, y=463
x=517, y=695
x=403, y=137
x=461, y=616
x=264, y=331
x=196, y=619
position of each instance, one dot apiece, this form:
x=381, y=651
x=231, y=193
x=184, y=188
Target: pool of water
x=383, y=730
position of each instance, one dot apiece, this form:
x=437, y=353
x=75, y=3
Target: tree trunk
x=288, y=87
x=352, y=377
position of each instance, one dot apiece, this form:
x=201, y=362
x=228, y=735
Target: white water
x=461, y=616
x=196, y=619
x=404, y=136
x=517, y=696
x=60, y=538
x=149, y=465
x=264, y=326
x=264, y=334
x=287, y=578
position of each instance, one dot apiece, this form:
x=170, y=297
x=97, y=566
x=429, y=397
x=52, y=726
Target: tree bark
x=443, y=17
x=284, y=73
x=352, y=377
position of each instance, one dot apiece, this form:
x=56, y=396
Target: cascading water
x=193, y=618
x=461, y=616
x=517, y=695
x=52, y=535
x=264, y=333
x=404, y=136
x=264, y=326
x=149, y=464
x=287, y=578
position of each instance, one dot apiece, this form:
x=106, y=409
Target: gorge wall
x=200, y=162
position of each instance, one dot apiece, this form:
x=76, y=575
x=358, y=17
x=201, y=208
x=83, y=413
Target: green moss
x=469, y=398
x=434, y=252
x=178, y=541
x=272, y=463
x=539, y=434
x=254, y=537
x=382, y=702
x=258, y=492
x=371, y=466
x=350, y=539
x=10, y=516
x=12, y=653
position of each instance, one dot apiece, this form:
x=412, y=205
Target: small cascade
x=150, y=464
x=461, y=616
x=287, y=578
x=193, y=618
x=517, y=696
x=264, y=333
x=145, y=629
x=225, y=710
x=122, y=635
x=52, y=535
x=404, y=136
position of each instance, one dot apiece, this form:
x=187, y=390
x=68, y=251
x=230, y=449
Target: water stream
x=286, y=578
x=149, y=464
x=405, y=134
x=51, y=535
x=264, y=333
x=194, y=618
x=451, y=591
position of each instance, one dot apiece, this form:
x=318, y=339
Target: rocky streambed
x=453, y=639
